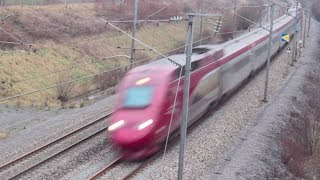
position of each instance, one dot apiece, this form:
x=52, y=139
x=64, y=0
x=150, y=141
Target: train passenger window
x=138, y=97
x=261, y=50
x=194, y=65
x=200, y=50
x=178, y=71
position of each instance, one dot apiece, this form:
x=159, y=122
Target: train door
x=260, y=54
x=205, y=93
x=235, y=71
x=174, y=103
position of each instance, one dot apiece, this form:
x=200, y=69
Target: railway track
x=173, y=139
x=27, y=162
x=103, y=171
x=117, y=161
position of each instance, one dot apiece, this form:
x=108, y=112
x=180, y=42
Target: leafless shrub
x=6, y=87
x=124, y=10
x=187, y=8
x=250, y=13
x=65, y=91
x=108, y=79
x=5, y=37
x=56, y=25
x=227, y=29
x=84, y=87
x=108, y=8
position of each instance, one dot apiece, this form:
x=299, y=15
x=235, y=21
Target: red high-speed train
x=148, y=94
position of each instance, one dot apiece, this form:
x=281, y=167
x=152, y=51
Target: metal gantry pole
x=267, y=14
x=269, y=55
x=234, y=18
x=301, y=27
x=295, y=37
x=305, y=27
x=133, y=45
x=201, y=23
x=183, y=129
x=261, y=14
x=309, y=23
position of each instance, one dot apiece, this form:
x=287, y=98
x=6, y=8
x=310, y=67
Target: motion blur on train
x=149, y=101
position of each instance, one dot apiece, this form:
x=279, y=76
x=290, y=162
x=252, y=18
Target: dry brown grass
x=84, y=52
x=63, y=45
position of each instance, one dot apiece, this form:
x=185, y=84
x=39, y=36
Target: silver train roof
x=229, y=46
x=181, y=58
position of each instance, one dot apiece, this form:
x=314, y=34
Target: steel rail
x=52, y=143
x=59, y=153
x=137, y=169
x=174, y=139
x=106, y=168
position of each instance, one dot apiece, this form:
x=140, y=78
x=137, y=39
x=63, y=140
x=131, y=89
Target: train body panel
x=216, y=70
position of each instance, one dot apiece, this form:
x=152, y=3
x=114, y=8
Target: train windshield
x=138, y=97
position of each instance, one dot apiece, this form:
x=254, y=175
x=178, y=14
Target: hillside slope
x=42, y=46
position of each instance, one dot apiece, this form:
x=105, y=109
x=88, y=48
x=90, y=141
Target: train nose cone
x=132, y=138
x=134, y=135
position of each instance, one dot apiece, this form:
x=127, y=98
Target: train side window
x=194, y=65
x=200, y=50
x=178, y=71
x=262, y=49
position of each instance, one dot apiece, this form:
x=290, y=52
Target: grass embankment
x=66, y=38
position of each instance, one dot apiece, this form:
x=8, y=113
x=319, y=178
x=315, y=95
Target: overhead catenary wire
x=59, y=28
x=79, y=65
x=69, y=36
x=146, y=19
x=46, y=113
x=56, y=109
x=39, y=10
x=56, y=85
x=172, y=114
x=9, y=42
x=92, y=75
x=137, y=40
x=184, y=46
x=11, y=35
x=61, y=70
x=51, y=73
x=151, y=15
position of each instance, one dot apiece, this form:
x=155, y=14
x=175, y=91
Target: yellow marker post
x=285, y=37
